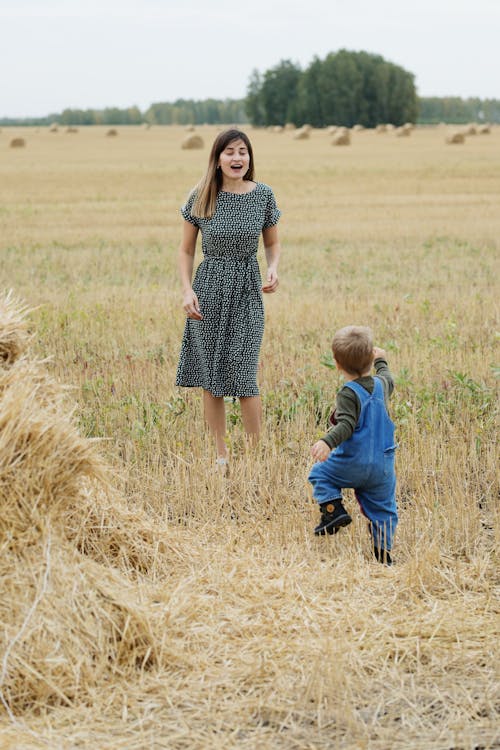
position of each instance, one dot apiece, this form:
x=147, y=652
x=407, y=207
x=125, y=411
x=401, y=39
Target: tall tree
x=278, y=93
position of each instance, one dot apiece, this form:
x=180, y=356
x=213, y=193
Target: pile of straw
x=70, y=547
x=192, y=142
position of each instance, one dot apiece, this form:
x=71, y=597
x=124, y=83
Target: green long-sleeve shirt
x=348, y=405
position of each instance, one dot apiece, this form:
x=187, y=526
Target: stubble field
x=170, y=607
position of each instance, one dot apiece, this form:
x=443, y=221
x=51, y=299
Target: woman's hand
x=271, y=281
x=320, y=451
x=191, y=305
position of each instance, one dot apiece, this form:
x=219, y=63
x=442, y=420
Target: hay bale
x=189, y=128
x=470, y=129
x=358, y=128
x=111, y=133
x=456, y=137
x=342, y=138
x=69, y=623
x=381, y=128
x=301, y=134
x=71, y=129
x=331, y=129
x=15, y=336
x=290, y=126
x=278, y=129
x=402, y=132
x=54, y=128
x=71, y=613
x=484, y=130
x=192, y=141
x=17, y=143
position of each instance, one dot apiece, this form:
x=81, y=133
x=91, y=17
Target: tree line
x=434, y=109
x=344, y=88
x=180, y=112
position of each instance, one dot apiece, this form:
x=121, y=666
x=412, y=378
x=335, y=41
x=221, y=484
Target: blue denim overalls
x=364, y=462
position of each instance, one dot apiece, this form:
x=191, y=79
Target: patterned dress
x=221, y=352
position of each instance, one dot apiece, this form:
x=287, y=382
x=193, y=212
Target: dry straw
x=192, y=142
x=456, y=137
x=17, y=143
x=69, y=616
x=301, y=134
x=342, y=137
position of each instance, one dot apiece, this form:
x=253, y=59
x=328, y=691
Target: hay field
x=158, y=605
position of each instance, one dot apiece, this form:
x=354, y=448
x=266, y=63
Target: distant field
x=271, y=638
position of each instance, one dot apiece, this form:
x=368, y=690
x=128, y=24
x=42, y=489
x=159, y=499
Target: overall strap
x=360, y=392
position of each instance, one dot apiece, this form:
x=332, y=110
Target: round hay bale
x=278, y=129
x=484, y=130
x=111, y=133
x=192, y=141
x=290, y=126
x=357, y=128
x=470, y=129
x=331, y=129
x=54, y=128
x=14, y=334
x=17, y=143
x=381, y=128
x=342, y=139
x=300, y=134
x=189, y=128
x=71, y=129
x=457, y=137
x=402, y=132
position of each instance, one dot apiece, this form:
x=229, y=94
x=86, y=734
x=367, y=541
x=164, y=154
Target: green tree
x=343, y=89
x=278, y=93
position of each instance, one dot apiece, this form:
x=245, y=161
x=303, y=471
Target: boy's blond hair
x=352, y=348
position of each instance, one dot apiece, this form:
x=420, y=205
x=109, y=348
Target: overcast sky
x=98, y=53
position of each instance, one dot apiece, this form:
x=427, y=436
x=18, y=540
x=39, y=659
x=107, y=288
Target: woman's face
x=234, y=161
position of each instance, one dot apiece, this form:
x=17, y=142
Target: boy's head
x=352, y=348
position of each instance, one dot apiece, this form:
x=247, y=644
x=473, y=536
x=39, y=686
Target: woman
x=225, y=313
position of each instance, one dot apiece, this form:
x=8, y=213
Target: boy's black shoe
x=333, y=516
x=382, y=555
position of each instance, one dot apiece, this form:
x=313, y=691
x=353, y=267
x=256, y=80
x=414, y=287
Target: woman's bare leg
x=251, y=415
x=215, y=417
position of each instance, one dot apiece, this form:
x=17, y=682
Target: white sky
x=97, y=53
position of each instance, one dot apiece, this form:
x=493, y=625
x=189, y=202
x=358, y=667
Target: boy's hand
x=378, y=353
x=320, y=451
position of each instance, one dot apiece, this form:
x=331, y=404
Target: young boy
x=358, y=450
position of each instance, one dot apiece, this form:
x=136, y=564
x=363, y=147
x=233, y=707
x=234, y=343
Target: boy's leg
x=378, y=503
x=327, y=490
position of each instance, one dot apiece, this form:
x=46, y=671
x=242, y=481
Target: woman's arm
x=272, y=249
x=187, y=250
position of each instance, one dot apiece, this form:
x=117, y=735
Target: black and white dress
x=221, y=352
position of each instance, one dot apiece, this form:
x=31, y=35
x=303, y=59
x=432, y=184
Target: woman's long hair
x=209, y=186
